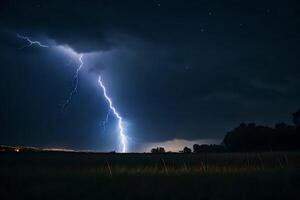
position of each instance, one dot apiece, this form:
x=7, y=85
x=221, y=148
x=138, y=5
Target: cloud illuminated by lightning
x=123, y=137
x=30, y=42
x=112, y=109
x=75, y=83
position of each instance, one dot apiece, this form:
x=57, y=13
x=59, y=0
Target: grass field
x=59, y=175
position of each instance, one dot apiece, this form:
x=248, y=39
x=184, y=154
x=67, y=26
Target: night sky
x=178, y=72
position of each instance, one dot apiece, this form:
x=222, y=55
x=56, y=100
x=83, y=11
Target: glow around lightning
x=75, y=83
x=123, y=137
x=112, y=109
x=104, y=123
x=31, y=42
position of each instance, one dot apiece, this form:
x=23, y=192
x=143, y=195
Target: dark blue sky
x=189, y=70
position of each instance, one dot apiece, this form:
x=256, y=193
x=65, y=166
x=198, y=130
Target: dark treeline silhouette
x=158, y=150
x=251, y=137
x=208, y=148
x=186, y=150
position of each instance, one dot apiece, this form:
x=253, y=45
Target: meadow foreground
x=60, y=175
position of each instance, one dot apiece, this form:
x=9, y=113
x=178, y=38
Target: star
x=158, y=3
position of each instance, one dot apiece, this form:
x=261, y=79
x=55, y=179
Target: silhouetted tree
x=286, y=137
x=296, y=118
x=262, y=138
x=196, y=148
x=186, y=150
x=158, y=150
x=207, y=148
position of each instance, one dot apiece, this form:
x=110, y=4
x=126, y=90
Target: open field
x=59, y=175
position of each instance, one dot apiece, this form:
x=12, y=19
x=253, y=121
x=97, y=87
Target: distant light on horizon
x=177, y=145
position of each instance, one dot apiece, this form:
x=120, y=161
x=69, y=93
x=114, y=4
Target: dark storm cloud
x=88, y=26
x=184, y=69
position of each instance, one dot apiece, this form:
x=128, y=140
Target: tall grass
x=149, y=176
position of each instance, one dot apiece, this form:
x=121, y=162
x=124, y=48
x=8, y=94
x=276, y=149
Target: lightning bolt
x=122, y=135
x=112, y=109
x=75, y=83
x=30, y=42
x=106, y=120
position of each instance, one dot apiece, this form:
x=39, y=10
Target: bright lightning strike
x=123, y=137
x=30, y=42
x=75, y=83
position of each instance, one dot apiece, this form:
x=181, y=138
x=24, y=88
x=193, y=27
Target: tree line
x=251, y=137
